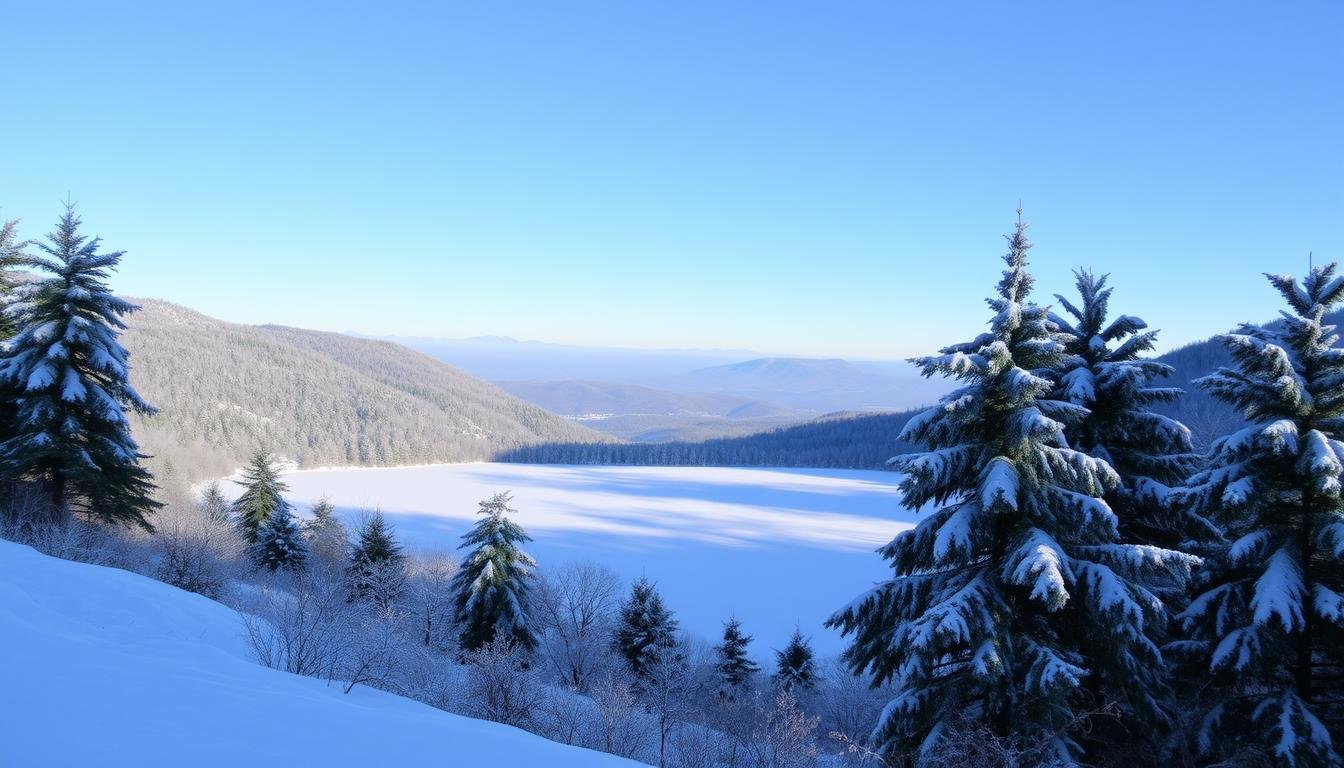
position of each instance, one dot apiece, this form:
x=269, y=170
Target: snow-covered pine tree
x=213, y=503
x=263, y=494
x=1104, y=370
x=12, y=256
x=645, y=627
x=490, y=591
x=377, y=564
x=71, y=430
x=1268, y=619
x=795, y=665
x=734, y=666
x=279, y=543
x=326, y=535
x=1021, y=547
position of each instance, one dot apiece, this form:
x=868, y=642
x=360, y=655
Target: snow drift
x=110, y=668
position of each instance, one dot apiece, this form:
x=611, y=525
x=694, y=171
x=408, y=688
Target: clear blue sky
x=828, y=178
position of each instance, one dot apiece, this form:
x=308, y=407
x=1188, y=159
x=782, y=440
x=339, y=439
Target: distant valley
x=660, y=396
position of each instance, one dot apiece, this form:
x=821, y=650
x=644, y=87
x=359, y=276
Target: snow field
x=774, y=547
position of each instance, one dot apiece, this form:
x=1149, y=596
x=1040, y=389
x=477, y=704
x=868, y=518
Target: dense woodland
x=1094, y=585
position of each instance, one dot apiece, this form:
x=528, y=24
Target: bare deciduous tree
x=669, y=690
x=299, y=623
x=621, y=727
x=429, y=598
x=195, y=549
x=500, y=685
x=575, y=604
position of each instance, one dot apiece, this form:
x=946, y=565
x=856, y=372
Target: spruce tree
x=262, y=496
x=326, y=535
x=213, y=503
x=72, y=380
x=972, y=630
x=377, y=564
x=279, y=543
x=490, y=590
x=1267, y=623
x=12, y=256
x=1104, y=369
x=645, y=627
x=734, y=666
x=795, y=666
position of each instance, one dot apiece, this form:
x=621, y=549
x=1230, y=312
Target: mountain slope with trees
x=226, y=390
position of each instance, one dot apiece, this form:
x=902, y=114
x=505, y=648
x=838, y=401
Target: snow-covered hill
x=104, y=667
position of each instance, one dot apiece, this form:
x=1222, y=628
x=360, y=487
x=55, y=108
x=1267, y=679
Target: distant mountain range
x=817, y=385
x=225, y=390
x=663, y=395
x=500, y=358
x=601, y=398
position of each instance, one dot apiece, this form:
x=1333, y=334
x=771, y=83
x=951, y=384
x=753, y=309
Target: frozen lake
x=775, y=547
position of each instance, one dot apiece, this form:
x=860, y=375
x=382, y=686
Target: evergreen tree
x=974, y=624
x=490, y=591
x=12, y=256
x=262, y=496
x=645, y=627
x=279, y=543
x=326, y=535
x=377, y=564
x=735, y=668
x=1268, y=620
x=213, y=503
x=795, y=666
x=1104, y=370
x=71, y=373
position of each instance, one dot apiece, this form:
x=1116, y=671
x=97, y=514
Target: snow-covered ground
x=104, y=667
x=774, y=547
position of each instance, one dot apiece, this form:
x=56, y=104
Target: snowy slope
x=104, y=667
x=774, y=547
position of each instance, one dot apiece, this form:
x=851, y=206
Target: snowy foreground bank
x=114, y=669
x=774, y=547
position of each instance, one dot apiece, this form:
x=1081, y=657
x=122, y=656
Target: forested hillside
x=225, y=390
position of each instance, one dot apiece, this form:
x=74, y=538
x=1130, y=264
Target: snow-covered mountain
x=147, y=675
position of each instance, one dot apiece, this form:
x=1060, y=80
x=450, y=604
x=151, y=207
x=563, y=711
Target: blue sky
x=828, y=178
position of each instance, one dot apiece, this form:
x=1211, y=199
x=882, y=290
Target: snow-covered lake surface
x=774, y=547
